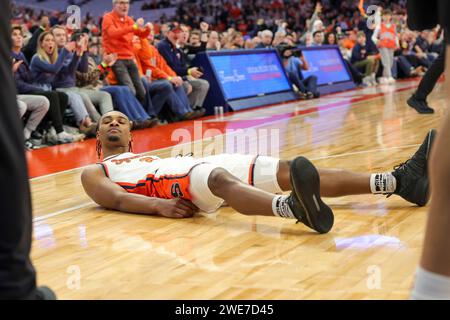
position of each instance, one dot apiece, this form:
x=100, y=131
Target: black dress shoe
x=45, y=293
x=419, y=105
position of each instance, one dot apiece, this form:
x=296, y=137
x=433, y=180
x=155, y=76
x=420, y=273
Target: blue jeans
x=162, y=92
x=308, y=84
x=126, y=102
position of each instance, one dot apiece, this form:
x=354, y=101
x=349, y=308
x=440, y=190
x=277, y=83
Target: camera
x=295, y=51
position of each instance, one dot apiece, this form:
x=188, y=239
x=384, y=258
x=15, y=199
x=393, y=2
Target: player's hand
x=195, y=72
x=176, y=208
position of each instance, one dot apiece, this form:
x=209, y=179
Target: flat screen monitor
x=326, y=63
x=245, y=74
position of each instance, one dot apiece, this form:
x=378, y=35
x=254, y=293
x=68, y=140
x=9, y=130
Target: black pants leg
x=432, y=75
x=58, y=104
x=17, y=275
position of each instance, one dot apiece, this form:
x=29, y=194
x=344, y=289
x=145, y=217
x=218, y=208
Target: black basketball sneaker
x=305, y=201
x=412, y=175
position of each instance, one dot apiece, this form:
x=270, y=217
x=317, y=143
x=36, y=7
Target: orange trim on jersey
x=251, y=172
x=165, y=186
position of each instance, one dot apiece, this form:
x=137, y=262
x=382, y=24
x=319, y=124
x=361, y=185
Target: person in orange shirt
x=385, y=37
x=163, y=86
x=149, y=58
x=118, y=31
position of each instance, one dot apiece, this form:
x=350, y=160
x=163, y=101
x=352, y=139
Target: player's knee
x=219, y=181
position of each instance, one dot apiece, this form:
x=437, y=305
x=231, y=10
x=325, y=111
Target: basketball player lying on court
x=178, y=187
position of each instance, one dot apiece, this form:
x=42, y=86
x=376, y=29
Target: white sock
x=382, y=183
x=280, y=207
x=430, y=286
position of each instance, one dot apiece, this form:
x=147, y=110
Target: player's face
x=114, y=129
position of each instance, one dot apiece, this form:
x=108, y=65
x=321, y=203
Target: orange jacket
x=117, y=35
x=148, y=57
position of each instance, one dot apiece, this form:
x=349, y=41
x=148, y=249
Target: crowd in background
x=68, y=78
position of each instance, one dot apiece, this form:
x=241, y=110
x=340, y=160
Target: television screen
x=244, y=75
x=326, y=64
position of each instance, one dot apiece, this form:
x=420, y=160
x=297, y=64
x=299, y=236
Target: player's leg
x=210, y=185
x=433, y=275
x=409, y=180
x=333, y=182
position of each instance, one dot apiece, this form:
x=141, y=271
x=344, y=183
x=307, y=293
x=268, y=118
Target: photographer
x=294, y=62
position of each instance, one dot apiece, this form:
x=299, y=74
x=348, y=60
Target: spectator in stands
x=313, y=24
x=45, y=66
x=66, y=78
x=213, y=41
x=124, y=100
x=38, y=107
x=30, y=49
x=266, y=40
x=176, y=59
x=279, y=38
x=236, y=42
x=385, y=37
x=294, y=62
x=164, y=85
x=118, y=31
x=94, y=53
x=198, y=40
x=331, y=39
x=364, y=60
x=318, y=38
x=422, y=47
x=25, y=84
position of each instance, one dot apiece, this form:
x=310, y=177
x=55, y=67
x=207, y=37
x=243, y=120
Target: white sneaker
x=390, y=80
x=373, y=79
x=64, y=137
x=367, y=81
x=382, y=80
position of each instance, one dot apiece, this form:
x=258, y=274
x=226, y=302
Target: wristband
x=135, y=26
x=170, y=78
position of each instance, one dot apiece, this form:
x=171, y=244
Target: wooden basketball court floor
x=85, y=252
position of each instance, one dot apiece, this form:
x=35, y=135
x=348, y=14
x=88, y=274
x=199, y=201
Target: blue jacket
x=44, y=72
x=359, y=53
x=23, y=77
x=174, y=57
x=66, y=77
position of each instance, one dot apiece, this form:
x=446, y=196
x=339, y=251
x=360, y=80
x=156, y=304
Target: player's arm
x=111, y=196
